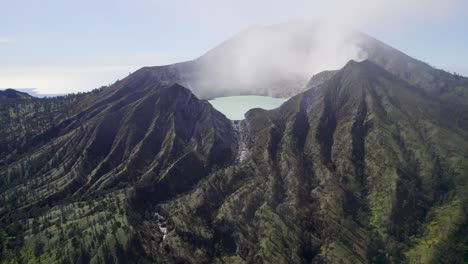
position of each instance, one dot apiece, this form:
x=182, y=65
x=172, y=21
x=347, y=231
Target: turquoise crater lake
x=234, y=107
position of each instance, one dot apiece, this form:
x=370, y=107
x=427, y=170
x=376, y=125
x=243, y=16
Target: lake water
x=234, y=107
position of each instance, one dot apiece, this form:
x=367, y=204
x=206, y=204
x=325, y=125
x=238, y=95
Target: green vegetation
x=363, y=168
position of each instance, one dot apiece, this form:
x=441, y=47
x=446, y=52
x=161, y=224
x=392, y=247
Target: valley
x=366, y=162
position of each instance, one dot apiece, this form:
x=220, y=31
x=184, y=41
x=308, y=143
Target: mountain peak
x=361, y=64
x=367, y=152
x=279, y=60
x=362, y=70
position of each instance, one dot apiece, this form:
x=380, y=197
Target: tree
x=38, y=248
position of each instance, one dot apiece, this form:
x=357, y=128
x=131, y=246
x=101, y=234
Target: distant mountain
x=279, y=60
x=33, y=92
x=13, y=94
x=366, y=163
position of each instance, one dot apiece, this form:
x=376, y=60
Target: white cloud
x=254, y=60
x=228, y=16
x=71, y=78
x=60, y=79
x=6, y=40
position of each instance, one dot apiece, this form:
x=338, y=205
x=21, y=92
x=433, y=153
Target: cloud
x=273, y=59
x=61, y=79
x=217, y=20
x=6, y=40
x=293, y=52
x=72, y=78
x=51, y=78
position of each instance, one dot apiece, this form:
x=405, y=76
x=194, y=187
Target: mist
x=276, y=60
x=279, y=59
x=54, y=55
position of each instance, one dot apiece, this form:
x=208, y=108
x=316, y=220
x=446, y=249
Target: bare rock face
x=244, y=140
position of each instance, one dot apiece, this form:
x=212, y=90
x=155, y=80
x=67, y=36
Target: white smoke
x=262, y=59
x=276, y=60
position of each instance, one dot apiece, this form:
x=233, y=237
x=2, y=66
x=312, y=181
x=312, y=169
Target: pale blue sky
x=68, y=46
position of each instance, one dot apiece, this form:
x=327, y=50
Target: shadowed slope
x=363, y=167
x=347, y=172
x=160, y=138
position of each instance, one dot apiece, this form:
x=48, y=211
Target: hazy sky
x=61, y=46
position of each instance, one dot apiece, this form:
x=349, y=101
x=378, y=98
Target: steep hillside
x=24, y=119
x=369, y=164
x=72, y=176
x=365, y=168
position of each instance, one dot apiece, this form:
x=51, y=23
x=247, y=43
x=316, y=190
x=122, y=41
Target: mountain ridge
x=364, y=166
x=13, y=94
x=192, y=73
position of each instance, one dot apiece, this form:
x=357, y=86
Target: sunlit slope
x=363, y=167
